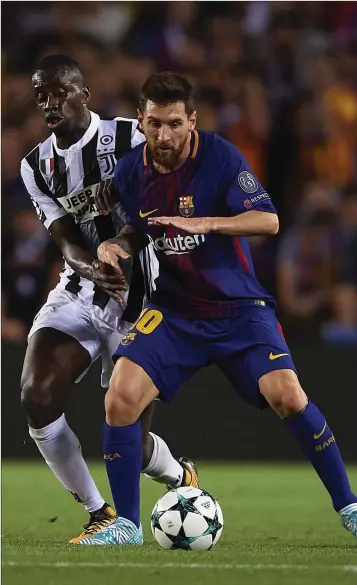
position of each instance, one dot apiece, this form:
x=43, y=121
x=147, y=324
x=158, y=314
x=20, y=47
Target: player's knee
x=283, y=392
x=122, y=404
x=293, y=399
x=38, y=396
x=130, y=392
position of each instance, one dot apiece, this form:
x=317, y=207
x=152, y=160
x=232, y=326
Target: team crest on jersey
x=186, y=206
x=128, y=338
x=107, y=163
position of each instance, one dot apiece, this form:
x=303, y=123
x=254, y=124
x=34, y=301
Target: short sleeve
x=137, y=137
x=245, y=193
x=47, y=209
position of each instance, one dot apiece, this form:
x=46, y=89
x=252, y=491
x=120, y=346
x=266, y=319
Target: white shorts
x=98, y=331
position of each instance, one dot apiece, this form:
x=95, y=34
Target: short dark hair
x=165, y=88
x=61, y=64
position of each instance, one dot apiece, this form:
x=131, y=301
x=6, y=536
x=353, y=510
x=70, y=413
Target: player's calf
x=130, y=391
x=53, y=362
x=309, y=427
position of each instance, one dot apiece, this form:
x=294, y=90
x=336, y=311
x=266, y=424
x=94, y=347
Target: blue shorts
x=171, y=349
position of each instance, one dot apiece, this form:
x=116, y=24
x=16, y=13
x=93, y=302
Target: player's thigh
x=53, y=360
x=62, y=343
x=257, y=346
x=164, y=348
x=110, y=329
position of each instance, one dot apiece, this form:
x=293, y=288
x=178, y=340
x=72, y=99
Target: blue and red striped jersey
x=200, y=276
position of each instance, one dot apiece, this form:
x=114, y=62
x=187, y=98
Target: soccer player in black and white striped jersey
x=89, y=311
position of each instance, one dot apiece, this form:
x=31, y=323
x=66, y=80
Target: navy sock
x=318, y=444
x=122, y=454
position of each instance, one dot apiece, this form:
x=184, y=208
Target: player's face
x=62, y=101
x=167, y=130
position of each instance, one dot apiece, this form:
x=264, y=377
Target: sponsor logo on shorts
x=177, y=245
x=128, y=338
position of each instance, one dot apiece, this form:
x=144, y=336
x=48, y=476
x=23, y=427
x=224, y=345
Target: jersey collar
x=87, y=136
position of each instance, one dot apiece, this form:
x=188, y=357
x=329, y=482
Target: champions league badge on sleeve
x=186, y=206
x=247, y=182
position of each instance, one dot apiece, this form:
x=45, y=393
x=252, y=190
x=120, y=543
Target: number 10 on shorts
x=148, y=321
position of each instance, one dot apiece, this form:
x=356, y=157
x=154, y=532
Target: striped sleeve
x=137, y=137
x=46, y=208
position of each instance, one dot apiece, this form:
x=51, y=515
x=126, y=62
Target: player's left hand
x=192, y=225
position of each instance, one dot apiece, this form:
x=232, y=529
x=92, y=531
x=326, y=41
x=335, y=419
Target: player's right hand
x=110, y=280
x=111, y=253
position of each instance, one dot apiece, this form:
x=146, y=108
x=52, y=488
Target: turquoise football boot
x=349, y=518
x=122, y=532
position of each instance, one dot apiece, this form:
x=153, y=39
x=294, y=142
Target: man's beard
x=167, y=157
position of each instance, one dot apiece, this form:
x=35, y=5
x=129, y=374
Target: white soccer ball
x=187, y=518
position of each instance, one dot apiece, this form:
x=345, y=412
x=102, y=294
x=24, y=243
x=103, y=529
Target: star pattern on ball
x=187, y=519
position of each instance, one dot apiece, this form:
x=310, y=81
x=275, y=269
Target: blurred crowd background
x=278, y=79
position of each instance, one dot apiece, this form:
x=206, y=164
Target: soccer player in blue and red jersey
x=192, y=195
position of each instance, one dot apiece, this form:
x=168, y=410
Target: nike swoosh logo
x=147, y=213
x=278, y=355
x=322, y=432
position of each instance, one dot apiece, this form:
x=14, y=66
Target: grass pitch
x=279, y=530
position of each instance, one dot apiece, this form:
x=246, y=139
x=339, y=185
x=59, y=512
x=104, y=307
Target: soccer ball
x=187, y=518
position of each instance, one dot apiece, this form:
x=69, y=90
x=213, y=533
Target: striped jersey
x=62, y=182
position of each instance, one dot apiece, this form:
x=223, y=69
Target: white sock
x=62, y=452
x=163, y=467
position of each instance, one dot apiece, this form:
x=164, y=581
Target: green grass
x=275, y=516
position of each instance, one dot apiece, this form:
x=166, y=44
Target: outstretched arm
x=250, y=223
